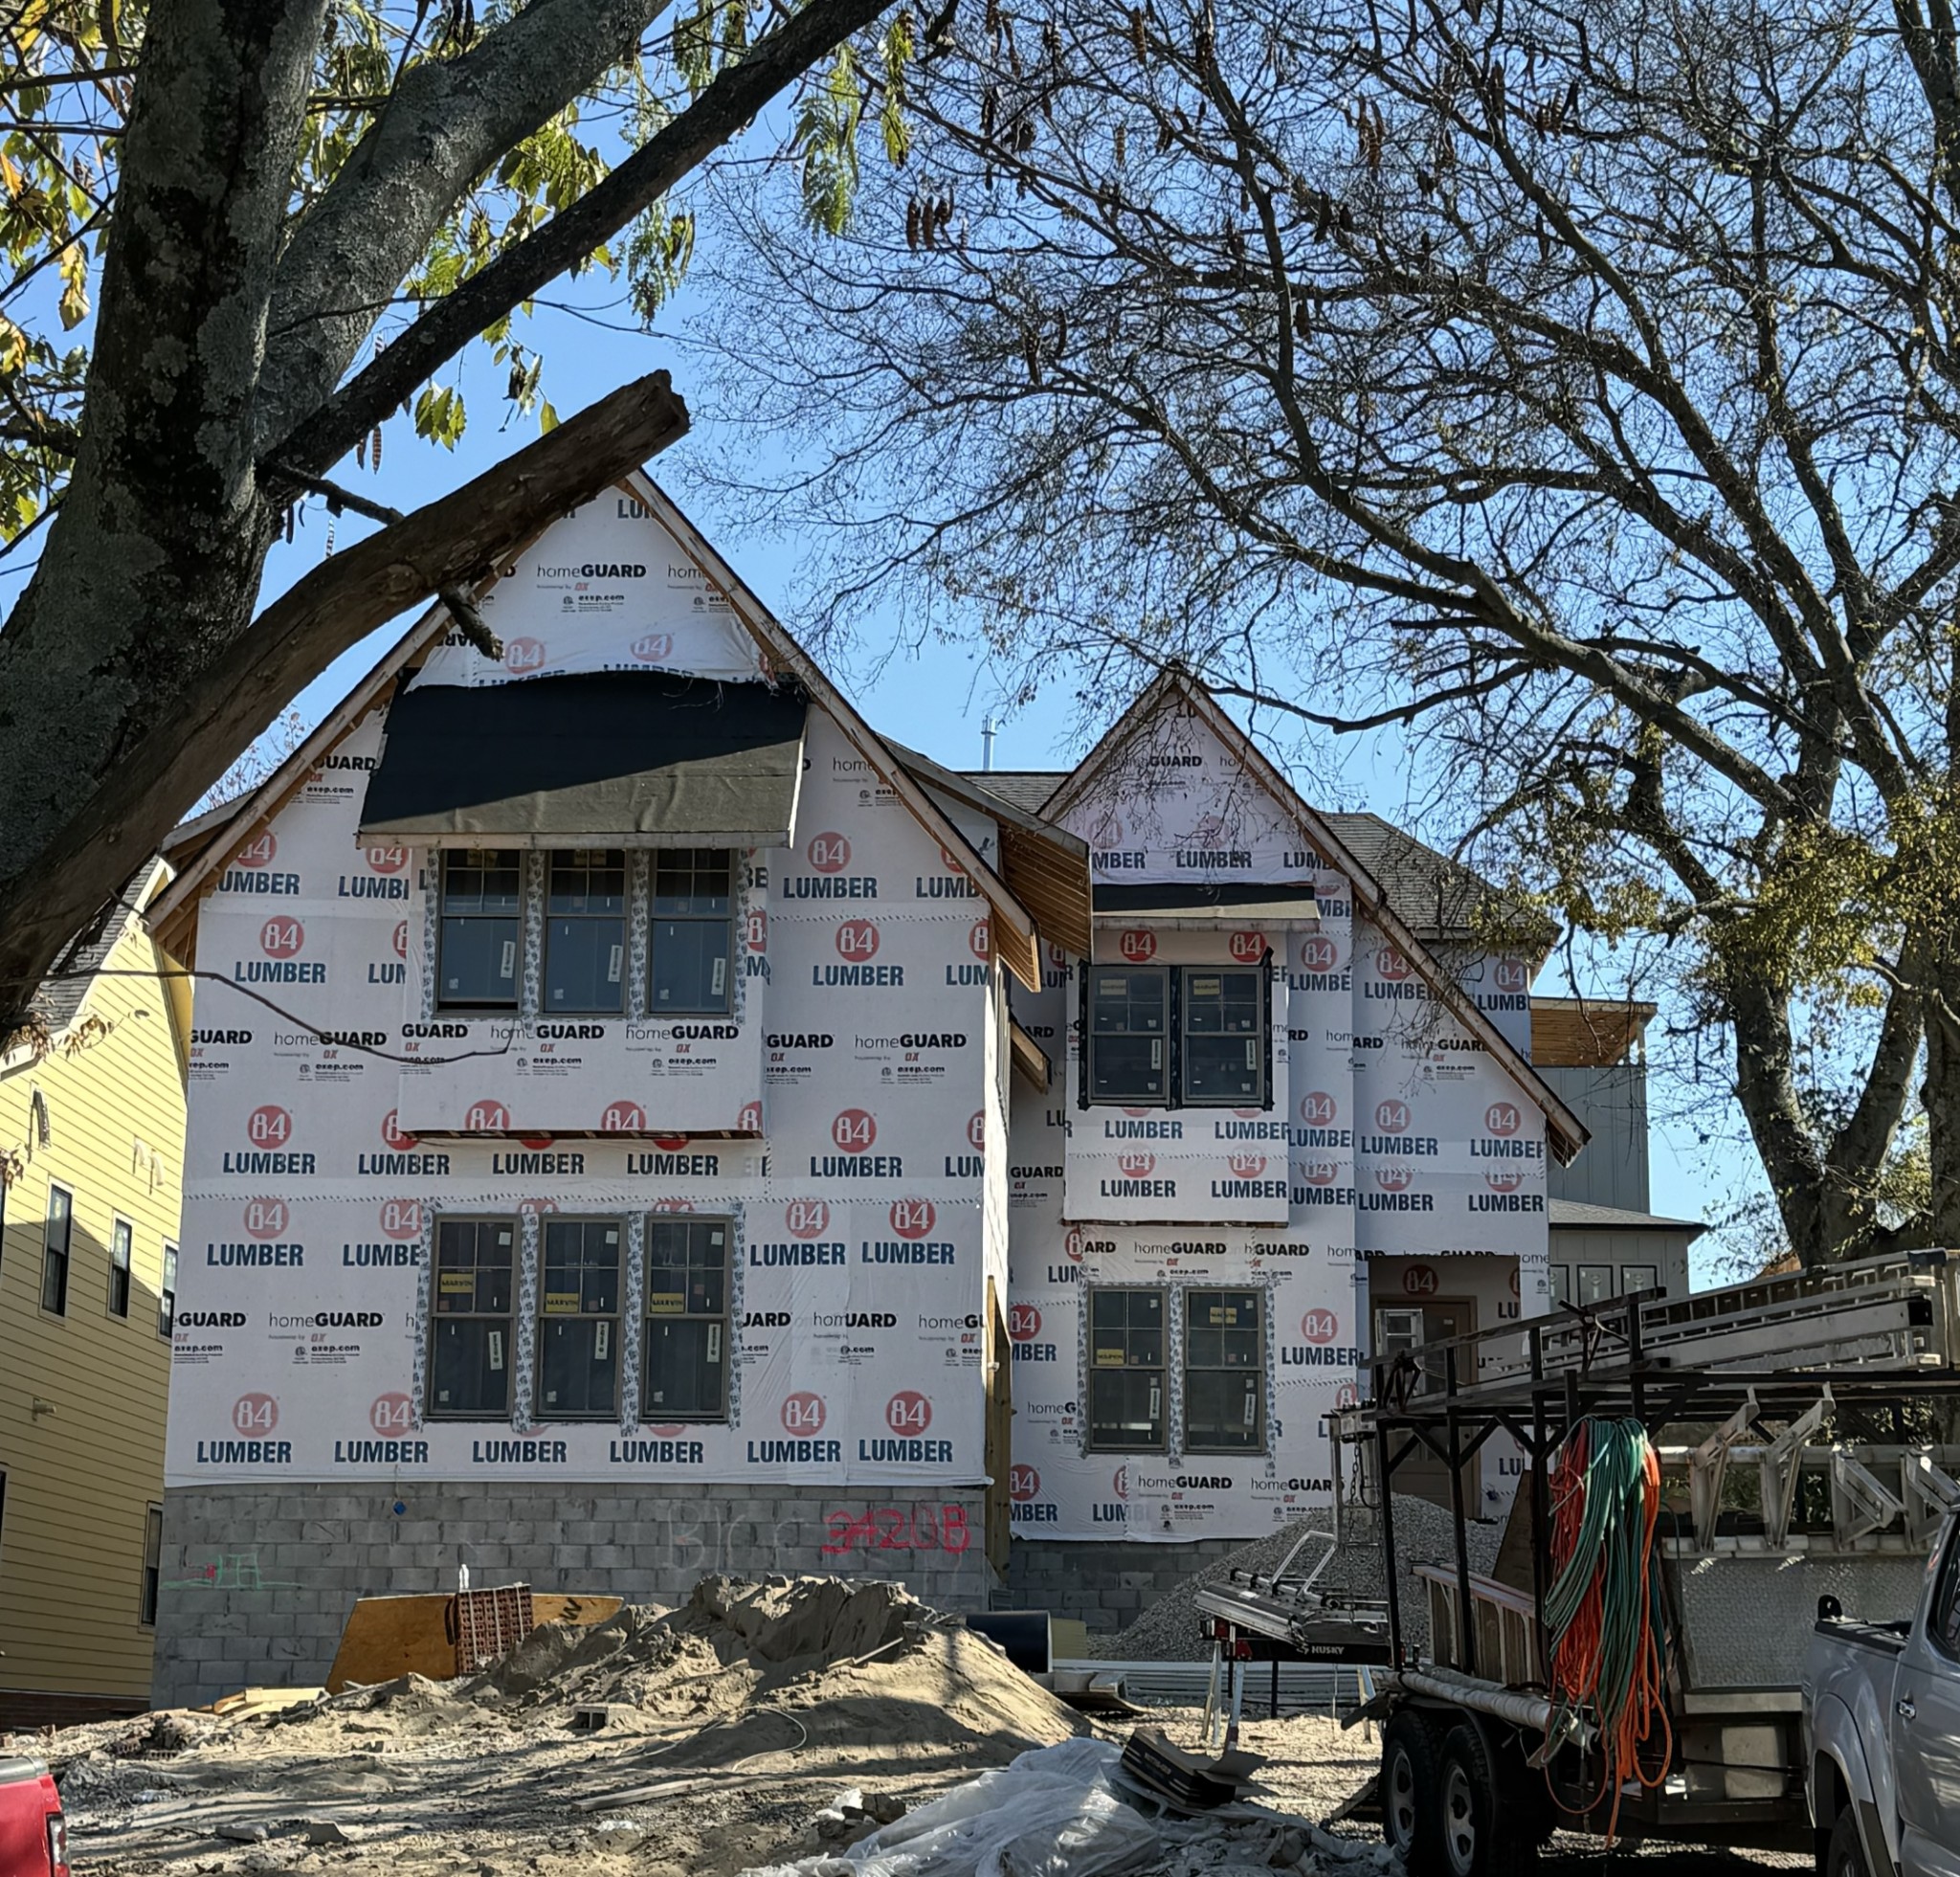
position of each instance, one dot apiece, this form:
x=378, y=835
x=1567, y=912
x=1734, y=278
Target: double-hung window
x=693, y=932
x=166, y=1295
x=578, y=1331
x=1178, y=1036
x=1223, y=1044
x=1129, y=1034
x=482, y=935
x=122, y=1237
x=1224, y=1372
x=584, y=931
x=684, y=1377
x=1126, y=1370
x=55, y=1245
x=470, y=1351
x=152, y=1565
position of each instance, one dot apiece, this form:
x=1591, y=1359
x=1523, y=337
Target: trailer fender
x=1839, y=1776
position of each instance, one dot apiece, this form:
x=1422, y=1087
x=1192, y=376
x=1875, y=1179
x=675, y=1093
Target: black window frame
x=507, y=1316
x=1627, y=1288
x=167, y=1294
x=1092, y=977
x=696, y=860
x=122, y=1239
x=1177, y=1005
x=1160, y=1369
x=721, y=1333
x=446, y=859
x=550, y=1319
x=1260, y=1038
x=152, y=1578
x=1255, y=1370
x=50, y=1267
x=1579, y=1272
x=587, y=860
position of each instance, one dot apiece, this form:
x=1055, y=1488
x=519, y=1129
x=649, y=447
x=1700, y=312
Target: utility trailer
x=1803, y=1411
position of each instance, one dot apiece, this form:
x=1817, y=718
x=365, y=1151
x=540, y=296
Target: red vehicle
x=33, y=1835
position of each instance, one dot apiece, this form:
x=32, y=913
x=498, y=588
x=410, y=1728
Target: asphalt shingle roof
x=58, y=1001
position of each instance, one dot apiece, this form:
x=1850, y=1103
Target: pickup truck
x=1881, y=1732
x=33, y=1837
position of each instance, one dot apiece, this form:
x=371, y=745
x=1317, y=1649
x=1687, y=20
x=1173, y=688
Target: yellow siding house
x=92, y=1154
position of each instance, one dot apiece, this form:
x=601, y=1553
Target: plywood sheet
x=392, y=1636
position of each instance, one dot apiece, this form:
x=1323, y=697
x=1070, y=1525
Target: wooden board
x=392, y=1636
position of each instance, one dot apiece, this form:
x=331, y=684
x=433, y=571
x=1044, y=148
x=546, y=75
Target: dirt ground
x=731, y=1727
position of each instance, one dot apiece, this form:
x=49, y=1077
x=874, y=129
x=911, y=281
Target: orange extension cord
x=1604, y=1610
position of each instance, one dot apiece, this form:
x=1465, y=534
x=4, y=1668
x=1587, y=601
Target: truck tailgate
x=28, y=1800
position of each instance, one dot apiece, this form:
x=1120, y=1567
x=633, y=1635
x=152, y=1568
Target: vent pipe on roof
x=987, y=731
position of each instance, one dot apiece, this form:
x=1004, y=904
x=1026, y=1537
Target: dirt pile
x=1169, y=1630
x=724, y=1729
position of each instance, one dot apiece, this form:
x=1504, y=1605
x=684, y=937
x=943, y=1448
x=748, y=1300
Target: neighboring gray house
x=1605, y=1239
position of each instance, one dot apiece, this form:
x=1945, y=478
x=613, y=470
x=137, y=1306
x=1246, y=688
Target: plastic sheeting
x=1052, y=1813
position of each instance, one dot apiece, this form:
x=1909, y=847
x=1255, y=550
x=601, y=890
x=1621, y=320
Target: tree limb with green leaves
x=240, y=236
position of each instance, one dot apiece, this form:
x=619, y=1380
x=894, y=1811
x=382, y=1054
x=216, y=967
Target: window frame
x=1256, y=1371
x=1651, y=1287
x=430, y=1408
x=546, y=1318
x=49, y=1254
x=122, y=1237
x=657, y=1012
x=1561, y=1276
x=652, y=1411
x=623, y=919
x=1262, y=1036
x=167, y=1294
x=1176, y=1015
x=495, y=1008
x=1167, y=975
x=1579, y=1283
x=1161, y=1370
x=150, y=1580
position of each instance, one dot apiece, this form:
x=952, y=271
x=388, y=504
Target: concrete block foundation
x=258, y=1582
x=1104, y=1585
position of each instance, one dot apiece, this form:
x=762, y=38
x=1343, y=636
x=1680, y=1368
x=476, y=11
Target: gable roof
x=173, y=917
x=1444, y=900
x=63, y=994
x=1566, y=1132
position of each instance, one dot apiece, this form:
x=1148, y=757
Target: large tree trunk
x=1826, y=1215
x=152, y=563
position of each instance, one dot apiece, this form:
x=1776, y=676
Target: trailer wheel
x=1466, y=1805
x=1410, y=1814
x=1846, y=1856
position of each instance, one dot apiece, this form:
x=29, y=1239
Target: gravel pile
x=1169, y=1631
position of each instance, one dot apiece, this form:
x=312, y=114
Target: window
x=1639, y=1276
x=122, y=1236
x=693, y=932
x=1178, y=1036
x=687, y=1318
x=152, y=1565
x=167, y=1297
x=1595, y=1284
x=585, y=930
x=1562, y=1282
x=1224, y=1372
x=578, y=1331
x=1943, y=1613
x=1129, y=1034
x=1126, y=1370
x=469, y=1365
x=55, y=1252
x=482, y=928
x=1224, y=1053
